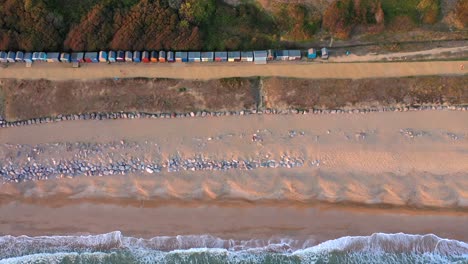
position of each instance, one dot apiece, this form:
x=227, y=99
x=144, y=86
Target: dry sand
x=205, y=71
x=366, y=161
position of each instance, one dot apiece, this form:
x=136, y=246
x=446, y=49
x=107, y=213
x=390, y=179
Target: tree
x=338, y=18
x=429, y=10
x=197, y=11
x=461, y=12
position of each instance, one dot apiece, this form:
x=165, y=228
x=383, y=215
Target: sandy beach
x=206, y=71
x=412, y=163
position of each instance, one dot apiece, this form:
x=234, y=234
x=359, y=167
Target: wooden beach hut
x=162, y=56
x=247, y=56
x=102, y=56
x=294, y=55
x=128, y=56
x=324, y=53
x=112, y=56
x=19, y=56
x=27, y=57
x=234, y=56
x=35, y=56
x=3, y=56
x=53, y=57
x=181, y=56
x=154, y=56
x=220, y=56
x=207, y=56
x=65, y=57
x=170, y=56
x=282, y=55
x=120, y=57
x=194, y=56
x=260, y=56
x=136, y=56
x=42, y=56
x=311, y=53
x=91, y=57
x=11, y=56
x=145, y=57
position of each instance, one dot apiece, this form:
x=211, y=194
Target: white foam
x=25, y=249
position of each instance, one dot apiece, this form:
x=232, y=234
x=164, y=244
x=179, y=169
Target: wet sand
x=413, y=164
x=242, y=222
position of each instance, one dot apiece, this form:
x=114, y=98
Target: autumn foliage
x=342, y=15
x=461, y=11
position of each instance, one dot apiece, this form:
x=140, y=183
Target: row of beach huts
x=258, y=56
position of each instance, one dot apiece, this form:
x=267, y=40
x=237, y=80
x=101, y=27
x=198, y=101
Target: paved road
x=58, y=71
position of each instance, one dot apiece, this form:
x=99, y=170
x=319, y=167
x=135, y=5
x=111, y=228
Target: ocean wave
x=115, y=248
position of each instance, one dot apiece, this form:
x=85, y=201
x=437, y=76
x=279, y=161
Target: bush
x=429, y=10
x=461, y=12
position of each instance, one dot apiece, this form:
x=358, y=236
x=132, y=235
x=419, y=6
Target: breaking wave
x=115, y=248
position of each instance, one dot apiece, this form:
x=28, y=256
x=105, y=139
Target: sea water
x=115, y=248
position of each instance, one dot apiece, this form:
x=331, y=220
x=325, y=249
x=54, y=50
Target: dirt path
x=57, y=71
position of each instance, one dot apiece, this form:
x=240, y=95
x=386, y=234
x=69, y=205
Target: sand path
x=57, y=71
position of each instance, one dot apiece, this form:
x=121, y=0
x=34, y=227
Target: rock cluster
x=26, y=163
x=132, y=115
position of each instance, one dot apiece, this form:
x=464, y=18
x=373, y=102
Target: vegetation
x=461, y=12
x=44, y=25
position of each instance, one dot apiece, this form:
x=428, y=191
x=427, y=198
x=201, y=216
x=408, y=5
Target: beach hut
x=270, y=55
x=65, y=57
x=145, y=57
x=11, y=56
x=120, y=57
x=53, y=57
x=294, y=55
x=170, y=56
x=154, y=56
x=111, y=56
x=234, y=56
x=91, y=57
x=282, y=55
x=35, y=56
x=27, y=57
x=162, y=56
x=194, y=56
x=181, y=56
x=102, y=56
x=3, y=56
x=76, y=57
x=207, y=56
x=260, y=56
x=136, y=56
x=220, y=56
x=42, y=56
x=324, y=53
x=19, y=56
x=128, y=56
x=247, y=56
x=311, y=53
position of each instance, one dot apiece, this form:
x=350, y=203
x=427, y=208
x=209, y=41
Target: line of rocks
x=72, y=168
x=134, y=115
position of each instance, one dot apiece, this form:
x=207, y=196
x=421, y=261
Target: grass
x=396, y=8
